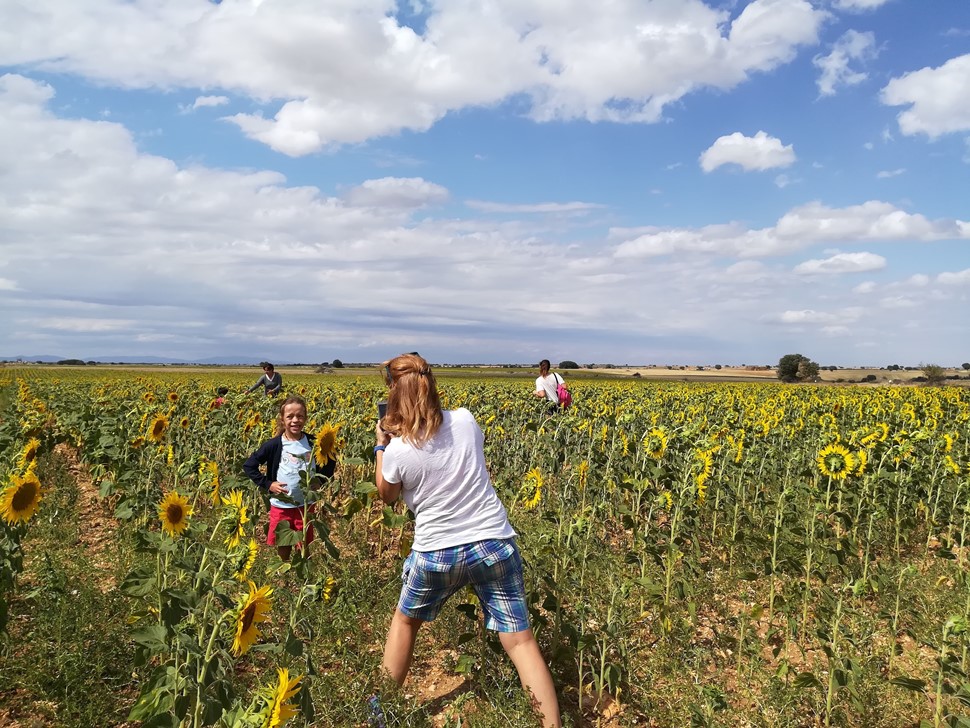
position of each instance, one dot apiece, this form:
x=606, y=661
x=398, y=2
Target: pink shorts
x=293, y=516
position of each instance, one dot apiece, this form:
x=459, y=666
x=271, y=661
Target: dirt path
x=96, y=525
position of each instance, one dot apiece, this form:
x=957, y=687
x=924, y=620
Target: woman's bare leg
x=399, y=647
x=533, y=673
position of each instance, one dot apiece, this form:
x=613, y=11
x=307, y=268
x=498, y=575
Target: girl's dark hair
x=290, y=399
x=267, y=365
x=222, y=391
x=413, y=405
x=544, y=367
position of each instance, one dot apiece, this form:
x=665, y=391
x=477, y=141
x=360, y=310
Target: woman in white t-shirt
x=546, y=384
x=435, y=460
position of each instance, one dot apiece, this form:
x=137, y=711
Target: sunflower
x=245, y=560
x=862, y=460
x=278, y=708
x=29, y=453
x=835, y=461
x=19, y=500
x=583, y=472
x=328, y=588
x=173, y=397
x=325, y=445
x=174, y=512
x=952, y=465
x=158, y=427
x=531, y=492
x=138, y=442
x=185, y=423
x=252, y=611
x=705, y=460
x=655, y=443
x=209, y=476
x=148, y=397
x=238, y=518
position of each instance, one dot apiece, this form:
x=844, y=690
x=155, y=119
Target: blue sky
x=651, y=181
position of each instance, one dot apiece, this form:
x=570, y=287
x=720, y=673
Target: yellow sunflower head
x=148, y=397
x=174, y=512
x=244, y=560
x=173, y=397
x=279, y=709
x=531, y=493
x=185, y=423
x=157, y=428
x=325, y=444
x=138, y=442
x=20, y=500
x=29, y=453
x=237, y=518
x=655, y=443
x=835, y=461
x=253, y=611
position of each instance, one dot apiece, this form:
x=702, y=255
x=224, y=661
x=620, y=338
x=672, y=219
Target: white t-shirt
x=549, y=384
x=446, y=485
x=294, y=459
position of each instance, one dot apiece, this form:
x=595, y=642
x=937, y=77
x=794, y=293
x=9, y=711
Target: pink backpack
x=565, y=398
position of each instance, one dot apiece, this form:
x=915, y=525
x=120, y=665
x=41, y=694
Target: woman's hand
x=278, y=488
x=382, y=437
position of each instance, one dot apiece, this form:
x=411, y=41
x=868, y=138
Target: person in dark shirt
x=271, y=381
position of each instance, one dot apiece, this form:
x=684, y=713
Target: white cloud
x=890, y=173
x=203, y=101
x=842, y=263
x=959, y=278
x=858, y=5
x=782, y=181
x=112, y=250
x=759, y=152
x=836, y=71
x=801, y=227
x=865, y=287
x=400, y=192
x=543, y=207
x=939, y=98
x=810, y=316
x=350, y=72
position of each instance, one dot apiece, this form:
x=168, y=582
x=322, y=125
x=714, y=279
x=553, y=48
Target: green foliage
x=567, y=364
x=934, y=373
x=796, y=368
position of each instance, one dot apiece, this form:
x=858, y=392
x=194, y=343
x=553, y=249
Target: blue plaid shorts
x=494, y=569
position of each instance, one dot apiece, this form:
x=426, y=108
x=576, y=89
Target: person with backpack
x=552, y=388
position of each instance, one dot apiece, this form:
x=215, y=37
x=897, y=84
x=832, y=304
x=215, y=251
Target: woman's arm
x=389, y=492
x=259, y=383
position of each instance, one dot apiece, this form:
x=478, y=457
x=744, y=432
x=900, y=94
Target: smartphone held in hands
x=381, y=410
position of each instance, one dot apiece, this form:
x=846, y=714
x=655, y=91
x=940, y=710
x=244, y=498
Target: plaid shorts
x=494, y=569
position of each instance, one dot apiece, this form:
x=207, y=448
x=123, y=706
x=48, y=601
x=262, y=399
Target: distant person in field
x=271, y=381
x=220, y=398
x=435, y=460
x=285, y=457
x=546, y=384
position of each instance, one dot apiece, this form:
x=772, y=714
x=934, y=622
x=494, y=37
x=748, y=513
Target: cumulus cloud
x=801, y=227
x=106, y=249
x=959, y=278
x=865, y=287
x=859, y=5
x=352, y=71
x=396, y=192
x=203, y=101
x=889, y=173
x=938, y=98
x=543, y=207
x=836, y=67
x=756, y=153
x=842, y=263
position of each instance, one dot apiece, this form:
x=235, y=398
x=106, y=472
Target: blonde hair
x=413, y=406
x=292, y=399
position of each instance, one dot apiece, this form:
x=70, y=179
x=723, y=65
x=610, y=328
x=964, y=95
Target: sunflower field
x=696, y=555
